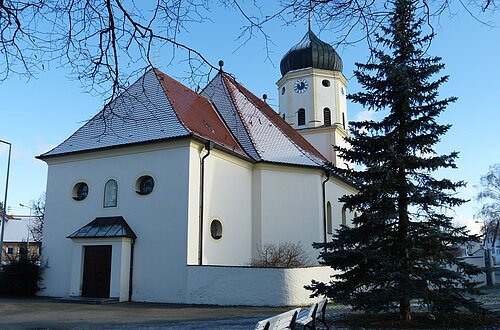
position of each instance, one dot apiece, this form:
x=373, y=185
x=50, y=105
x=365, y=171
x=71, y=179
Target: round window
x=216, y=229
x=145, y=185
x=282, y=90
x=326, y=82
x=80, y=191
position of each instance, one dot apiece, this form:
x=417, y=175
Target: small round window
x=145, y=185
x=282, y=90
x=326, y=82
x=80, y=191
x=216, y=229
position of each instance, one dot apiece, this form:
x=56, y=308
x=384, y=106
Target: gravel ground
x=43, y=313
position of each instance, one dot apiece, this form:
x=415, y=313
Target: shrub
x=21, y=276
x=284, y=254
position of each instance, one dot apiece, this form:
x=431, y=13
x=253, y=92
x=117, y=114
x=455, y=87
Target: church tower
x=312, y=95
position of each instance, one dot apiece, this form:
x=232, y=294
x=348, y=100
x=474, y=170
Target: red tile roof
x=197, y=114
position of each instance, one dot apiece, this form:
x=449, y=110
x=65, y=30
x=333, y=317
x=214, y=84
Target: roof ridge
x=233, y=99
x=222, y=136
x=312, y=157
x=156, y=72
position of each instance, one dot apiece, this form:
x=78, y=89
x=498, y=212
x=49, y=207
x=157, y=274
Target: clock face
x=300, y=86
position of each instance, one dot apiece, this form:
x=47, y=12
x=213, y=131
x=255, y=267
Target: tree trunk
x=405, y=309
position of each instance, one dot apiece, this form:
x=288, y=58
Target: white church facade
x=166, y=191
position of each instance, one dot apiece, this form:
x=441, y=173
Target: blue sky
x=38, y=114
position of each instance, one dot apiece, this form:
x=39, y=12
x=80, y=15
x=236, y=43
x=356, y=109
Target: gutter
x=208, y=146
x=131, y=270
x=323, y=184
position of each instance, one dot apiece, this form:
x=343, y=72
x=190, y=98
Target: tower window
x=110, y=193
x=283, y=116
x=326, y=82
x=282, y=90
x=301, y=117
x=343, y=120
x=327, y=117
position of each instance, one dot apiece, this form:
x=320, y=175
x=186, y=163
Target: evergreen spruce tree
x=403, y=245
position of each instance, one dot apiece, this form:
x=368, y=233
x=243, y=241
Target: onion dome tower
x=312, y=94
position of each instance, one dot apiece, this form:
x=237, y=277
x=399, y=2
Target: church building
x=167, y=194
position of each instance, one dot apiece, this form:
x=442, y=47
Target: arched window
x=329, y=224
x=110, y=193
x=301, y=116
x=327, y=117
x=344, y=216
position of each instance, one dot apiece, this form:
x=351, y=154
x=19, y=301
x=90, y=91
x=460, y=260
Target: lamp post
x=29, y=226
x=4, y=214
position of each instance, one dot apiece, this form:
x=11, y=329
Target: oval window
x=145, y=185
x=80, y=191
x=216, y=229
x=282, y=90
x=326, y=82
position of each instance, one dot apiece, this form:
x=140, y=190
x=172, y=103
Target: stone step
x=88, y=300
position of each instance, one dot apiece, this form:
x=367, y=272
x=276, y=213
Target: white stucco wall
x=158, y=219
x=253, y=286
x=227, y=198
x=334, y=189
x=289, y=207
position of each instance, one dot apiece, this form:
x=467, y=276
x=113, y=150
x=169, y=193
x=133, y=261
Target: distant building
x=165, y=183
x=492, y=242
x=18, y=238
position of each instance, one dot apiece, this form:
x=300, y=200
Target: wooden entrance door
x=96, y=271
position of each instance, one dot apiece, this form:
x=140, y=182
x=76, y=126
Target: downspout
x=131, y=270
x=208, y=146
x=327, y=173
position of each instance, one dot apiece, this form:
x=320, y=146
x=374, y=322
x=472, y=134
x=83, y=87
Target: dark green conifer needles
x=402, y=247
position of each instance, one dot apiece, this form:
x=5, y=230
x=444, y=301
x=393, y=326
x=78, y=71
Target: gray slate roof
x=216, y=91
x=270, y=142
x=142, y=113
x=156, y=107
x=105, y=227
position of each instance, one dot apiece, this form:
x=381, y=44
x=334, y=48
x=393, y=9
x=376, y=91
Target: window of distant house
x=110, y=193
x=145, y=185
x=327, y=116
x=10, y=250
x=301, y=116
x=329, y=224
x=344, y=216
x=80, y=191
x=216, y=229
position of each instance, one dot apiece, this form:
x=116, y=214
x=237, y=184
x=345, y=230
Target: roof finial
x=221, y=64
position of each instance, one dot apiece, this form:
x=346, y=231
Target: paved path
x=46, y=313
x=43, y=313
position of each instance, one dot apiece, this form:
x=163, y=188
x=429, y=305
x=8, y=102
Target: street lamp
x=29, y=226
x=4, y=215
